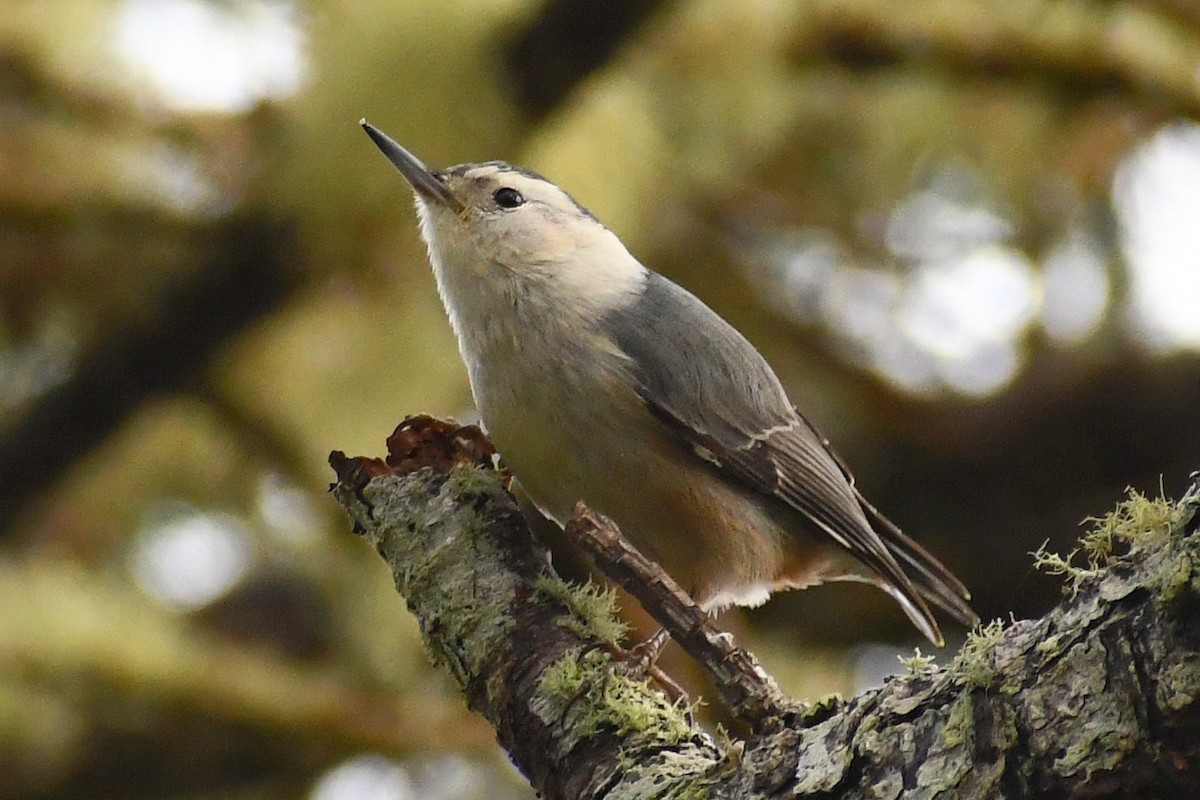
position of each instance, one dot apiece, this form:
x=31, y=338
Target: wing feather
x=717, y=394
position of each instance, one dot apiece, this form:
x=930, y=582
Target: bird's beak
x=426, y=184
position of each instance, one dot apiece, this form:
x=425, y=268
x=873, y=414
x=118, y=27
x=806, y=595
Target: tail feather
x=916, y=611
x=928, y=580
x=929, y=576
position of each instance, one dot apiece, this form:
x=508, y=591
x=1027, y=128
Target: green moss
x=464, y=625
x=960, y=725
x=1137, y=521
x=465, y=614
x=1056, y=564
x=1102, y=744
x=829, y=702
x=1050, y=645
x=672, y=776
x=917, y=664
x=1179, y=684
x=1177, y=579
x=586, y=691
x=975, y=664
x=416, y=487
x=469, y=479
x=593, y=609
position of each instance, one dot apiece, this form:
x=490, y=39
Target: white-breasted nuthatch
x=602, y=381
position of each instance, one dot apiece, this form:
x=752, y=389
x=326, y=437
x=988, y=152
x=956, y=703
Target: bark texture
x=1096, y=699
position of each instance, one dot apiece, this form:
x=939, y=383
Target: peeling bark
x=1095, y=699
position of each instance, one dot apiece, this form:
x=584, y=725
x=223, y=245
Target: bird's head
x=479, y=218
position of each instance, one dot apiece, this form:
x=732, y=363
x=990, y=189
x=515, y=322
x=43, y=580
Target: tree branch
x=248, y=271
x=751, y=694
x=1097, y=698
x=1077, y=43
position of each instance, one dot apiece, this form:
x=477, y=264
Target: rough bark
x=1095, y=699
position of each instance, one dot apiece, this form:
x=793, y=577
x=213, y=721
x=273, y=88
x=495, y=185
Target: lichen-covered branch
x=1097, y=698
x=751, y=694
x=528, y=651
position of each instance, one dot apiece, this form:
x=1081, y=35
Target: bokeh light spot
x=205, y=56
x=1075, y=288
x=1156, y=194
x=189, y=558
x=365, y=777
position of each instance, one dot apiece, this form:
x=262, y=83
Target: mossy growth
x=585, y=693
x=975, y=665
x=1137, y=521
x=672, y=775
x=810, y=713
x=1179, y=579
x=593, y=609
x=960, y=725
x=469, y=480
x=1179, y=685
x=918, y=664
x=452, y=571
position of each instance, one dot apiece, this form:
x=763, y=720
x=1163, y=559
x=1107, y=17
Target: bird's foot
x=641, y=661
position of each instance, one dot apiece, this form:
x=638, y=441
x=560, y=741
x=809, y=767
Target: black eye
x=507, y=197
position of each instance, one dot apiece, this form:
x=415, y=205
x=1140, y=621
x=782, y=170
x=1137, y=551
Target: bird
x=602, y=381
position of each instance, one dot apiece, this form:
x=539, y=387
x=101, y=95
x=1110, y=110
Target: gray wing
x=724, y=402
